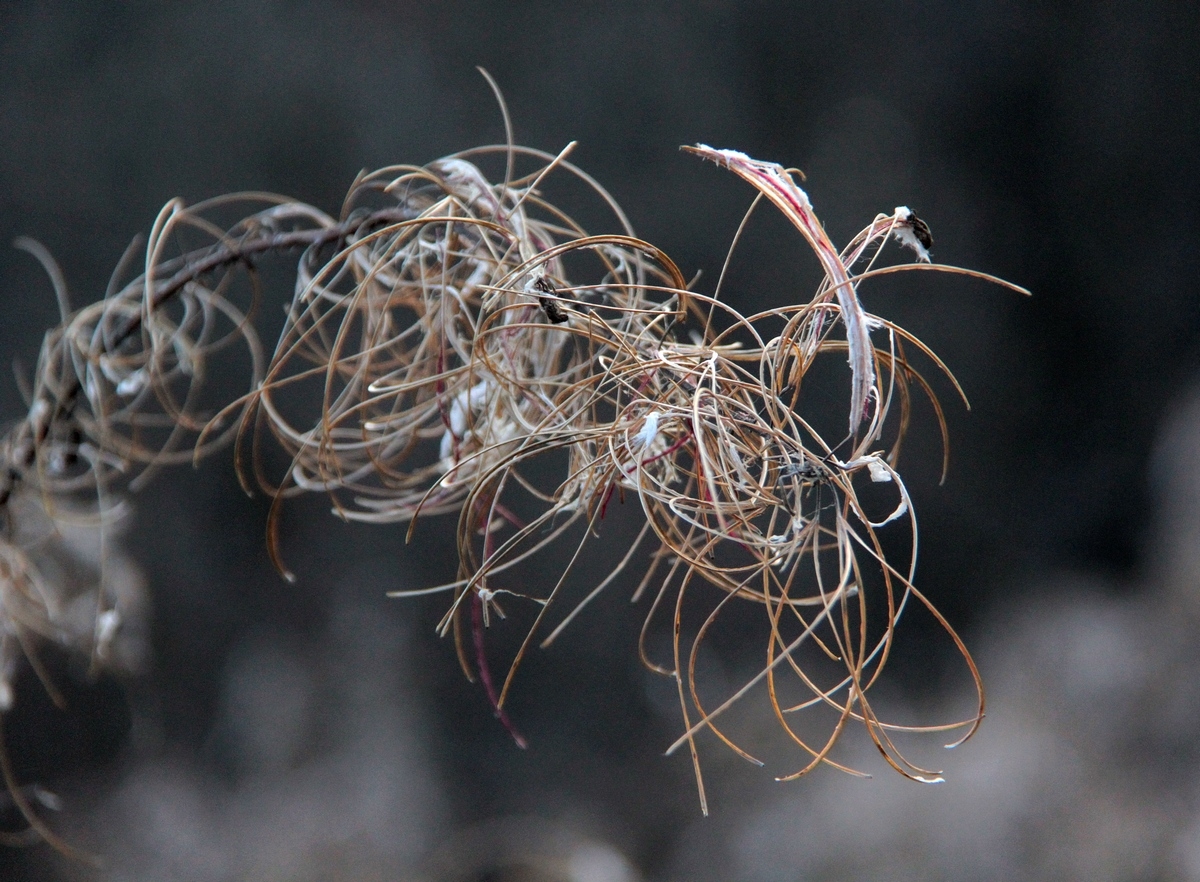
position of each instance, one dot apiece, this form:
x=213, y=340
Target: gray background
x=1051, y=144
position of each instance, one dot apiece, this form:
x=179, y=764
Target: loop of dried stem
x=461, y=347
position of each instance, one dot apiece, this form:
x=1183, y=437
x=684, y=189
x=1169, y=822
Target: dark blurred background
x=319, y=730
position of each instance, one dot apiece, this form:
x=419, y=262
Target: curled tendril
x=457, y=346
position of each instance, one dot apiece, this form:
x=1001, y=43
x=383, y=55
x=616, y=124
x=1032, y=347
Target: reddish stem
x=683, y=439
x=508, y=515
x=481, y=662
x=485, y=672
x=607, y=496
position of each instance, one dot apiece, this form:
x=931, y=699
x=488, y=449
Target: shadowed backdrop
x=1054, y=145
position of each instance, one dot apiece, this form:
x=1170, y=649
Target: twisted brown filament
x=456, y=346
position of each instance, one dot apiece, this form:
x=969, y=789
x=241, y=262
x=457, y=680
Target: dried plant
x=459, y=346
